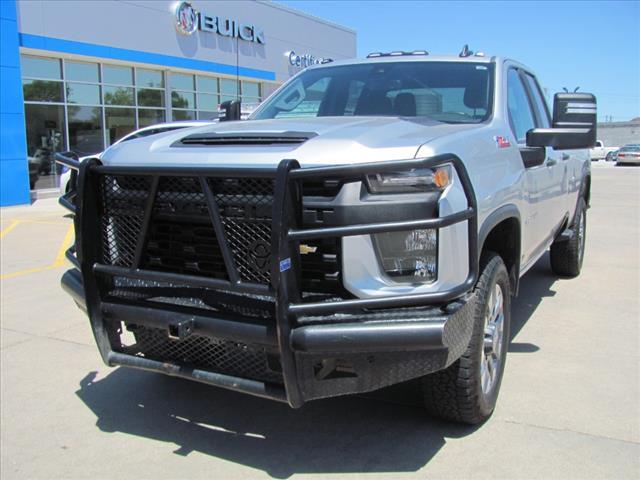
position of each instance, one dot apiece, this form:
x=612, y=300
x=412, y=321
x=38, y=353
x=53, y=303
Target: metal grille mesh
x=181, y=238
x=123, y=201
x=245, y=206
x=214, y=354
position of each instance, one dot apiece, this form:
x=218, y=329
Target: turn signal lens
x=411, y=181
x=441, y=177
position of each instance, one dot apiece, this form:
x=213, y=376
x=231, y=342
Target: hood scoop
x=242, y=139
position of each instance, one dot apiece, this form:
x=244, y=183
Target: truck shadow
x=536, y=285
x=382, y=432
x=341, y=435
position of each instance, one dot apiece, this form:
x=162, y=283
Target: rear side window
x=520, y=114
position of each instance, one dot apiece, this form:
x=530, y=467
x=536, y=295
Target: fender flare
x=584, y=192
x=505, y=212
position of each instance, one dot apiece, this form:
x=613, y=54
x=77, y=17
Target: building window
x=183, y=96
x=39, y=67
x=44, y=95
x=149, y=78
x=42, y=91
x=83, y=93
x=119, y=122
x=250, y=92
x=45, y=135
x=85, y=129
x=150, y=97
x=228, y=90
x=208, y=97
x=149, y=116
x=81, y=72
x=114, y=95
x=117, y=75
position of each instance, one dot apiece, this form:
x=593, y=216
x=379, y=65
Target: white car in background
x=599, y=151
x=629, y=155
x=142, y=132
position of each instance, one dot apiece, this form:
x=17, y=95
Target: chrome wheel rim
x=493, y=333
x=581, y=236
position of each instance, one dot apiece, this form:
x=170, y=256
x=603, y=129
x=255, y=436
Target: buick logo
x=186, y=18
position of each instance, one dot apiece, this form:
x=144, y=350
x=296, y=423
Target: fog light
x=409, y=256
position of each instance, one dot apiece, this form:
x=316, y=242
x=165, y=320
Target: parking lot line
x=12, y=225
x=58, y=262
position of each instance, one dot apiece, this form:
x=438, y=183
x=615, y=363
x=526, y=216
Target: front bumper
x=367, y=352
x=304, y=348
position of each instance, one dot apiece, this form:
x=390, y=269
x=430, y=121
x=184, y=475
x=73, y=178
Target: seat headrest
x=476, y=94
x=405, y=104
x=373, y=103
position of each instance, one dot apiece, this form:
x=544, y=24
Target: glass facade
x=87, y=106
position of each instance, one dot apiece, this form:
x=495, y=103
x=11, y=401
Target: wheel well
x=504, y=239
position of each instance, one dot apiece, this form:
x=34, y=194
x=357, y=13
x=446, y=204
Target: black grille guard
x=287, y=233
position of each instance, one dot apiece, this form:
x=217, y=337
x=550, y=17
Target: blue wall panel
x=8, y=9
x=14, y=172
x=11, y=82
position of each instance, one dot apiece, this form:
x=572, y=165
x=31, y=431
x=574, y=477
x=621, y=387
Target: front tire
x=467, y=391
x=567, y=256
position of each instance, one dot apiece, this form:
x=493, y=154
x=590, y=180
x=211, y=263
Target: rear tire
x=467, y=391
x=567, y=256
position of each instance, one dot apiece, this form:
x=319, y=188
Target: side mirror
x=230, y=110
x=574, y=123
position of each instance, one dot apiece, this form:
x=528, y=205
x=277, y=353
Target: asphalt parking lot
x=569, y=405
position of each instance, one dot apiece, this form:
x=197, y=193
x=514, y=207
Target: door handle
x=566, y=156
x=551, y=162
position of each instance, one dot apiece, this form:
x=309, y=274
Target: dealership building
x=79, y=75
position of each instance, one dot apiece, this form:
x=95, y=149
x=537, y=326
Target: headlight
x=409, y=256
x=411, y=181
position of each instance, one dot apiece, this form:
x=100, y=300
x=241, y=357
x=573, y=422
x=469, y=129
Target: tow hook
x=181, y=330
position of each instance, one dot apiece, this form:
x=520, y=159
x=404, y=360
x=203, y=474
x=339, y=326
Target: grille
x=123, y=200
x=214, y=354
x=181, y=238
x=245, y=206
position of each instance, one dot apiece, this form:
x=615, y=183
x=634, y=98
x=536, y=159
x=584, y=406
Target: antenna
x=465, y=52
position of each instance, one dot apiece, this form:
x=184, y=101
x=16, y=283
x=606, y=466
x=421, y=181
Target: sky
x=594, y=45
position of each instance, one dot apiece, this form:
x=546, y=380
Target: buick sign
x=188, y=20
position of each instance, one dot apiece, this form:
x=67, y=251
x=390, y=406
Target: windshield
x=452, y=92
x=630, y=148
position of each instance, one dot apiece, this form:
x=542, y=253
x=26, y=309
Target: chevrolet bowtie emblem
x=304, y=249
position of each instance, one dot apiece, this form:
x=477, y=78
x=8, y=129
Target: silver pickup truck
x=367, y=225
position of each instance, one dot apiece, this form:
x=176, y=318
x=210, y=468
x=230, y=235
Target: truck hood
x=324, y=141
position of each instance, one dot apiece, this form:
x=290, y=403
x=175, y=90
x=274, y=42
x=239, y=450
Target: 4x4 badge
x=502, y=142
